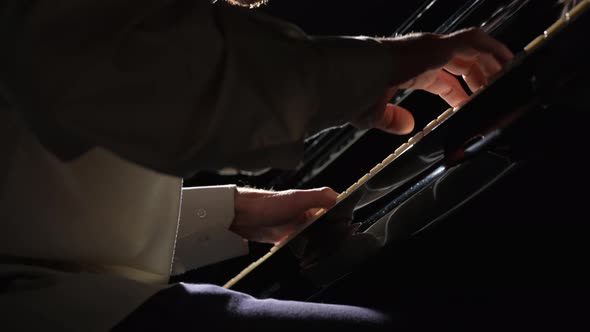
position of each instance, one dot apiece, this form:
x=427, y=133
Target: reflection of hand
x=268, y=216
x=322, y=240
x=428, y=62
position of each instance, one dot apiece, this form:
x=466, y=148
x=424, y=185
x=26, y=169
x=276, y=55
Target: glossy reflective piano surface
x=454, y=159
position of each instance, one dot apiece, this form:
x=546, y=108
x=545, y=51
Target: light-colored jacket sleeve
x=180, y=86
x=203, y=235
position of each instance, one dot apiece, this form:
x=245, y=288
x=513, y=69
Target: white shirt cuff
x=203, y=235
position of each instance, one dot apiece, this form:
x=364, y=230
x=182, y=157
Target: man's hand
x=429, y=62
x=268, y=216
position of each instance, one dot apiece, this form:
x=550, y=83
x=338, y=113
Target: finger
x=441, y=83
x=395, y=120
x=489, y=65
x=280, y=231
x=479, y=40
x=448, y=88
x=311, y=213
x=374, y=115
x=470, y=71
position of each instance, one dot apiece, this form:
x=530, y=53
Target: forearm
x=167, y=83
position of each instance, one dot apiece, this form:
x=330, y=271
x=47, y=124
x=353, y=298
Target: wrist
x=244, y=204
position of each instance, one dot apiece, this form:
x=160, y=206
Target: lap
x=186, y=306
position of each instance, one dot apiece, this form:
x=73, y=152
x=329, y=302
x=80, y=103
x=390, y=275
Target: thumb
x=396, y=120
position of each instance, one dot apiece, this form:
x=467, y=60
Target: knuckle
x=475, y=30
x=468, y=34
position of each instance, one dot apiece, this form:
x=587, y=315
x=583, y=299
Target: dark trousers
x=205, y=307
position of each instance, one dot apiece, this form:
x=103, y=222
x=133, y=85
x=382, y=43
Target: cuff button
x=201, y=213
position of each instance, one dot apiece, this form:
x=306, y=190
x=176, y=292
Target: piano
x=513, y=21
x=485, y=202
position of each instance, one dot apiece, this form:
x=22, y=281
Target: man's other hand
x=433, y=63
